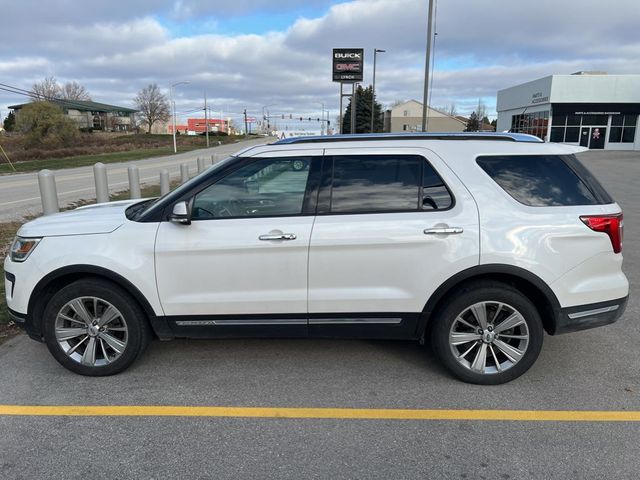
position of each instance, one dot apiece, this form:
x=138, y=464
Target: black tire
x=494, y=293
x=137, y=325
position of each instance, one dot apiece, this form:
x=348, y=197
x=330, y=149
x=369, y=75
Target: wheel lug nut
x=490, y=328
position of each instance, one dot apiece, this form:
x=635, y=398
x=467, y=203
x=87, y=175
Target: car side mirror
x=181, y=214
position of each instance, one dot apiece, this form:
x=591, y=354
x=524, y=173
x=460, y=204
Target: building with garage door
x=591, y=109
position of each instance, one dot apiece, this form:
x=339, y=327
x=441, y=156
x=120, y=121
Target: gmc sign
x=348, y=65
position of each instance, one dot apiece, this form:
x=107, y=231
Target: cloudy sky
x=252, y=53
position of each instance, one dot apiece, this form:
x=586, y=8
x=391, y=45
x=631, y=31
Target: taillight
x=612, y=225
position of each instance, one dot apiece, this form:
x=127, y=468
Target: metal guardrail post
x=184, y=172
x=102, y=184
x=134, y=182
x=201, y=165
x=214, y=158
x=164, y=182
x=48, y=192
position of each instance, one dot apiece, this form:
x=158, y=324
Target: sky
x=277, y=53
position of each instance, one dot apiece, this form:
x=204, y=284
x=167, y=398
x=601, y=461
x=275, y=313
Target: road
x=19, y=194
x=591, y=370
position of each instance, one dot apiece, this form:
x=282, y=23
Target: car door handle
x=278, y=236
x=443, y=230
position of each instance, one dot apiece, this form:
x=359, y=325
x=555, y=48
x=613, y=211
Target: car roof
x=462, y=145
x=487, y=136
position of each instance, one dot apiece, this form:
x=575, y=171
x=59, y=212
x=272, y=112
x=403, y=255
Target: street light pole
x=206, y=119
x=427, y=65
x=173, y=104
x=373, y=88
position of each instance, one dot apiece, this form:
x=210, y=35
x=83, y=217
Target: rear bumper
x=583, y=317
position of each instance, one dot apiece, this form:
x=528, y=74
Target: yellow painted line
x=320, y=413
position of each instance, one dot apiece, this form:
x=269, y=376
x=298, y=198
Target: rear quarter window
x=545, y=180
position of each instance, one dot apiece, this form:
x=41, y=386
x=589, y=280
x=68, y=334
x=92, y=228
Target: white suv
x=477, y=243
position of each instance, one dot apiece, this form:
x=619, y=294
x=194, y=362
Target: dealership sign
x=348, y=65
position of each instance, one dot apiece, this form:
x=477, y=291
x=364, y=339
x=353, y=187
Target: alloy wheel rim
x=489, y=337
x=91, y=331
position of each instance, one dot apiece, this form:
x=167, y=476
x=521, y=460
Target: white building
x=591, y=109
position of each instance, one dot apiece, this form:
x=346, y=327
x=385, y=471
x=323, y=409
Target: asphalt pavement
x=20, y=196
x=595, y=370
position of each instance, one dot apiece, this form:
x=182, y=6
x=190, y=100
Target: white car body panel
x=221, y=267
x=127, y=251
x=384, y=262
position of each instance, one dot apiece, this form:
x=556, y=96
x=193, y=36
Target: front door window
x=264, y=188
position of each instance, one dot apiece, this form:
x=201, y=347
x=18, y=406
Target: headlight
x=22, y=248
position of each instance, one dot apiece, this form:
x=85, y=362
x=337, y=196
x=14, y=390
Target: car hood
x=90, y=219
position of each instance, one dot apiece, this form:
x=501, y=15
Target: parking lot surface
x=596, y=370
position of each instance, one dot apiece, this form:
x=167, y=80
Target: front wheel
x=93, y=327
x=488, y=334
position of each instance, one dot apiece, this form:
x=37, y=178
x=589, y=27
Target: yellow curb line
x=322, y=413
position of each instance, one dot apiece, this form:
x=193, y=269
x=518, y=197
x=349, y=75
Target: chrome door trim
x=354, y=321
x=235, y=323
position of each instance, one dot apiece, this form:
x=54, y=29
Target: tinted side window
x=377, y=183
x=544, y=180
x=435, y=195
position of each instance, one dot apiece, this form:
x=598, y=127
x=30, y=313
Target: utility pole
x=246, y=124
x=373, y=88
x=322, y=121
x=206, y=119
x=425, y=105
x=173, y=104
x=354, y=107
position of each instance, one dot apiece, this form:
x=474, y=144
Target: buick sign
x=348, y=65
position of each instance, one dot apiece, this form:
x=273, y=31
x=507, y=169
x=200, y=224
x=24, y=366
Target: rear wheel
x=93, y=327
x=488, y=334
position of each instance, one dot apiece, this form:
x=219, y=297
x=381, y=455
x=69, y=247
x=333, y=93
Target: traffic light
x=283, y=116
x=290, y=116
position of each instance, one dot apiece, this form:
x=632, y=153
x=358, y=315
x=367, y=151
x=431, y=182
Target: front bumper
x=22, y=321
x=583, y=317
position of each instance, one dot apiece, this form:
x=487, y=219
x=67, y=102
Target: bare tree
x=50, y=89
x=451, y=109
x=74, y=91
x=46, y=89
x=481, y=111
x=153, y=106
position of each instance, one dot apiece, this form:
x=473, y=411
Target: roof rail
x=496, y=136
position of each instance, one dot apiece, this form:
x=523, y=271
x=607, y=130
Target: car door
x=392, y=226
x=240, y=267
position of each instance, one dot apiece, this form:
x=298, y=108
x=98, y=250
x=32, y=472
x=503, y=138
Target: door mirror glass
x=181, y=214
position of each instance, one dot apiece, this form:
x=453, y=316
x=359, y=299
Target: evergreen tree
x=473, y=125
x=10, y=122
x=363, y=113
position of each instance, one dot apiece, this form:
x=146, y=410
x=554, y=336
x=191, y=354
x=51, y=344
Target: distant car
x=477, y=243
